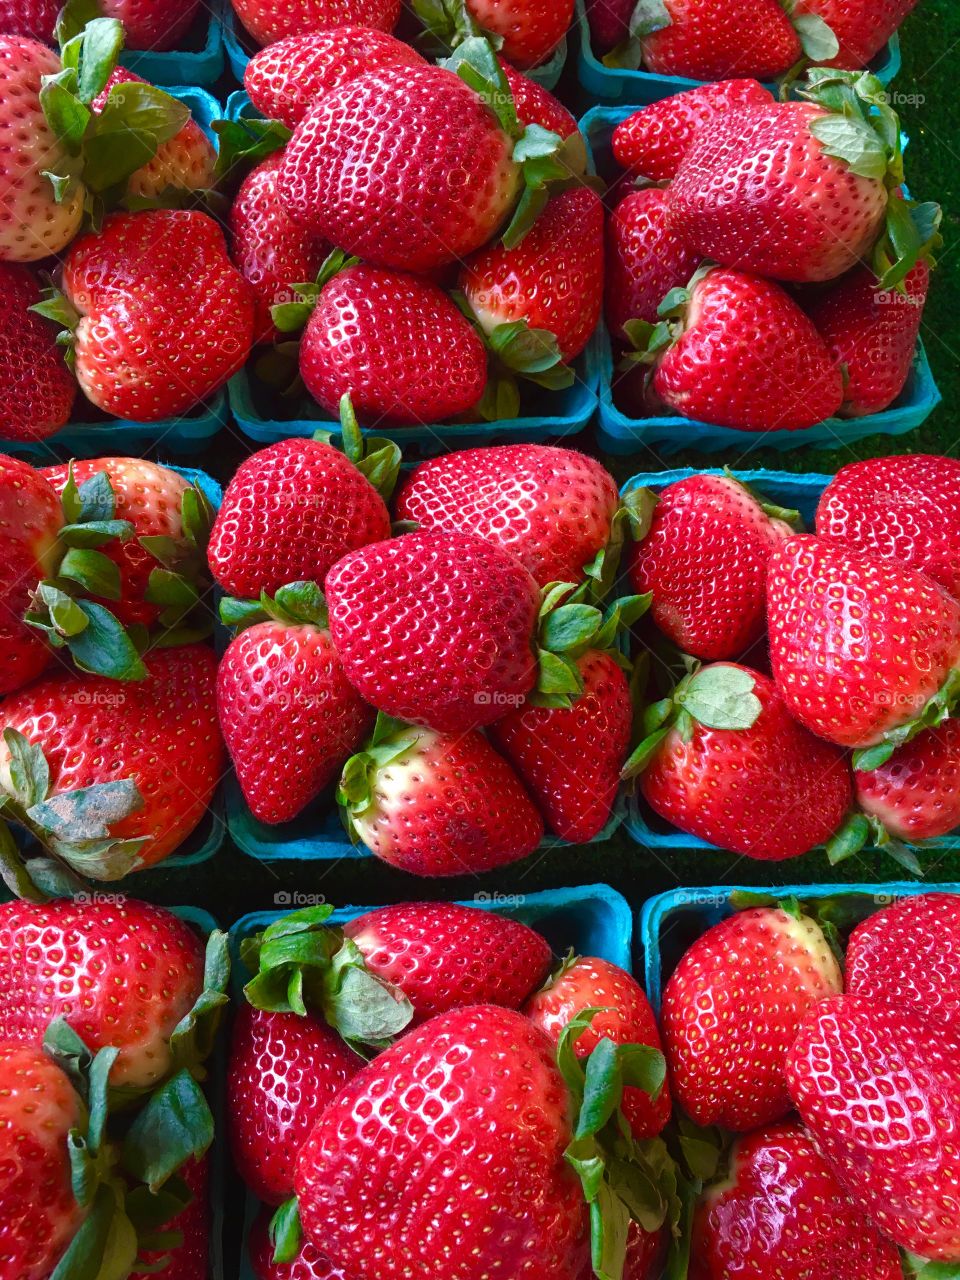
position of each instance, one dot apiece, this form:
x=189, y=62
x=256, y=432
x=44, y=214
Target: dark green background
x=232, y=883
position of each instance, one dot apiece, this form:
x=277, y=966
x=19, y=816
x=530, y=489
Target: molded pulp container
x=669, y=433
x=200, y=61
x=795, y=492
x=593, y=919
x=615, y=84
x=267, y=417
x=90, y=438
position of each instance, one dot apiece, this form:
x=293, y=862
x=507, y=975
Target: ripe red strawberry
x=862, y=28
x=285, y=79
x=36, y=18
x=397, y=344
x=531, y=30
x=654, y=140
x=30, y=521
x=289, y=716
x=906, y=954
x=738, y=771
x=645, y=260
x=190, y=1259
x=709, y=40
x=444, y=956
x=271, y=20
x=37, y=390
x=309, y=1264
x=284, y=1069
x=800, y=1220
x=456, y=1094
x=552, y=280
x=863, y=650
x=704, y=558
x=437, y=804
x=731, y=1011
x=872, y=332
x=745, y=356
x=879, y=1089
x=626, y=1018
x=553, y=508
x=537, y=105
x=158, y=737
x=39, y=1214
x=152, y=24
x=905, y=509
x=151, y=340
x=915, y=795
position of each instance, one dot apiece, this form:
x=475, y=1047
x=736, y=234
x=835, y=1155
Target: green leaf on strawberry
x=175, y=1125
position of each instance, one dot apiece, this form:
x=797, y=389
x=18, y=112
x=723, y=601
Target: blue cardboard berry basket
x=593, y=919
x=795, y=492
x=98, y=434
x=199, y=60
x=617, y=84
x=546, y=415
x=669, y=433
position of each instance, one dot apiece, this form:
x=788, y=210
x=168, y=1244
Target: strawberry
x=654, y=140
x=156, y=743
x=550, y=284
x=801, y=1223
x=645, y=260
x=872, y=332
x=527, y=32
x=37, y=388
x=555, y=509
x=732, y=1008
x=35, y=18
x=915, y=795
x=537, y=105
x=190, y=1259
x=285, y=79
x=644, y=1257
x=879, y=1089
x=271, y=20
x=704, y=558
x=445, y=956
x=861, y=28
x=865, y=652
x=30, y=522
x=710, y=40
x=438, y=804
x=290, y=717
x=152, y=24
x=737, y=351
x=725, y=761
x=625, y=1017
x=309, y=1264
x=905, y=509
x=294, y=509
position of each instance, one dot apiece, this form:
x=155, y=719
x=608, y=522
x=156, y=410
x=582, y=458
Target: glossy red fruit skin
x=878, y=1086
x=30, y=520
x=283, y=1071
x=452, y=806
x=289, y=513
x=873, y=332
x=781, y=1212
x=590, y=983
x=536, y=105
x=68, y=959
x=645, y=260
x=475, y=1093
x=290, y=717
x=162, y=732
x=748, y=195
x=445, y=178
x=152, y=24
x=531, y=30
x=397, y=344
x=748, y=358
x=705, y=41
x=34, y=18
x=285, y=79
x=189, y=1260
x=906, y=954
x=705, y=559
x=154, y=341
x=446, y=956
x=272, y=252
x=772, y=792
x=857, y=645
x=570, y=757
x=310, y=1264
x=654, y=140
x=905, y=509
x=609, y=22
x=862, y=28
x=731, y=1010
x=435, y=628
x=271, y=20
x=39, y=1214
x=553, y=278
x=552, y=507
x=916, y=794
x=37, y=388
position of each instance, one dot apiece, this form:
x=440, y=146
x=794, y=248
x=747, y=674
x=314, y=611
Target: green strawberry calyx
x=649, y=341
x=447, y=24
x=718, y=696
x=861, y=831
x=917, y=1268
x=375, y=457
x=817, y=38
x=630, y=520
x=298, y=604
x=647, y=18
x=390, y=741
x=935, y=711
x=291, y=317
x=570, y=627
x=243, y=143
x=180, y=584
x=302, y=965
